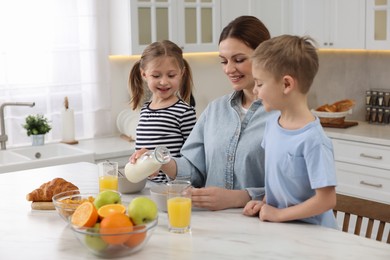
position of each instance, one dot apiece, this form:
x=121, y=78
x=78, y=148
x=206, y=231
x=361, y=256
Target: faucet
x=3, y=135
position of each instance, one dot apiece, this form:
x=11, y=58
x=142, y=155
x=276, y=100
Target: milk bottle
x=149, y=163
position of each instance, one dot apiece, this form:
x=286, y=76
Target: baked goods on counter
x=339, y=106
x=334, y=115
x=47, y=190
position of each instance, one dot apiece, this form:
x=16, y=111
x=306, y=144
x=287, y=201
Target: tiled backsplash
x=349, y=74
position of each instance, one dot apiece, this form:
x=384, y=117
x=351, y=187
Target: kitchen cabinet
x=332, y=23
x=363, y=169
x=193, y=24
x=276, y=14
x=378, y=24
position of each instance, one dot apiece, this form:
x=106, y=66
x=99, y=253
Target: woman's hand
x=253, y=207
x=215, y=198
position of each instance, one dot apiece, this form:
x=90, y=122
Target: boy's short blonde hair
x=289, y=55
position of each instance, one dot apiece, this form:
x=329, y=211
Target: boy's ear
x=289, y=84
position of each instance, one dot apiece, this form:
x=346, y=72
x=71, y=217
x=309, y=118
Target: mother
x=223, y=154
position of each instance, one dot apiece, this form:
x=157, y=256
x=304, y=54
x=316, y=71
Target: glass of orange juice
x=179, y=206
x=108, y=176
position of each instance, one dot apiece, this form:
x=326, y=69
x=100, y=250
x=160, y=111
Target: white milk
x=149, y=163
x=141, y=169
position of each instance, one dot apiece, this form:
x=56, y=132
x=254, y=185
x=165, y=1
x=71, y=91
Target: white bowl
x=331, y=114
x=335, y=118
x=125, y=186
x=159, y=194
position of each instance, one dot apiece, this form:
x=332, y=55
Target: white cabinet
x=275, y=14
x=363, y=170
x=378, y=24
x=332, y=23
x=192, y=24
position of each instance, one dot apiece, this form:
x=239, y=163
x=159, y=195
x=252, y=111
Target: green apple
x=107, y=197
x=95, y=242
x=142, y=210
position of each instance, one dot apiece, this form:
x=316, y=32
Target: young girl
x=167, y=118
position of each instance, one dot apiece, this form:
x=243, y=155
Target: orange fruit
x=108, y=209
x=136, y=238
x=114, y=228
x=85, y=215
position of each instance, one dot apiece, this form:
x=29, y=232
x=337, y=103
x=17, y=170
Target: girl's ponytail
x=136, y=86
x=186, y=88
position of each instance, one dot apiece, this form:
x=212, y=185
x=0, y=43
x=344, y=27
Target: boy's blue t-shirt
x=296, y=163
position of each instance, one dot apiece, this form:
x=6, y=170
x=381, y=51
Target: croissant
x=344, y=105
x=47, y=190
x=339, y=106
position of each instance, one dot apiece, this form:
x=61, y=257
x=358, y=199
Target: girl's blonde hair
x=163, y=48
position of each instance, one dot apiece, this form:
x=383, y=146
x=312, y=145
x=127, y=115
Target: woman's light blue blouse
x=222, y=151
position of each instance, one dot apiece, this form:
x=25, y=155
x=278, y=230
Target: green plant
x=37, y=125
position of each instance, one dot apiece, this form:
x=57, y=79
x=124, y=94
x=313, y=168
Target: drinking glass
x=108, y=176
x=179, y=206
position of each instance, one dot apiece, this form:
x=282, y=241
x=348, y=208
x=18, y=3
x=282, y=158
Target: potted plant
x=37, y=126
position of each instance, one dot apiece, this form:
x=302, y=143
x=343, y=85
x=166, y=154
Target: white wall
x=341, y=75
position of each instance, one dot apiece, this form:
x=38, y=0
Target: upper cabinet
x=332, y=23
x=378, y=24
x=192, y=24
x=275, y=14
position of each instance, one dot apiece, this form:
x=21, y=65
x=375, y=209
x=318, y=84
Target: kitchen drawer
x=361, y=153
x=364, y=182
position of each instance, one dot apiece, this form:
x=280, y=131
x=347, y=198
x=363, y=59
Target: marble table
x=227, y=234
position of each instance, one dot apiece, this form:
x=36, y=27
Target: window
x=49, y=50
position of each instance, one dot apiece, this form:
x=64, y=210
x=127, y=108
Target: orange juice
x=179, y=212
x=108, y=183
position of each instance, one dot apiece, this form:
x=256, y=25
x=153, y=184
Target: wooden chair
x=364, y=209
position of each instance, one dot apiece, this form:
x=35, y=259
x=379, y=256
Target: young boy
x=300, y=176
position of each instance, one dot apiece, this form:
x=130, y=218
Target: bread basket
x=337, y=118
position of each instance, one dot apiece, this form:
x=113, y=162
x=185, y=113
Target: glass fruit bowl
x=113, y=242
x=66, y=202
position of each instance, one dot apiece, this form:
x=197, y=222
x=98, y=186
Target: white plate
x=331, y=114
x=130, y=124
x=121, y=118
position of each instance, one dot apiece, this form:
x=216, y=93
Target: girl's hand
x=252, y=208
x=137, y=154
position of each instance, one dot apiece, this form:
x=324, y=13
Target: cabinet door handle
x=371, y=184
x=377, y=157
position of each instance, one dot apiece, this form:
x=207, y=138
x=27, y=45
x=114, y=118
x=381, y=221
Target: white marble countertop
x=363, y=132
x=107, y=147
x=29, y=234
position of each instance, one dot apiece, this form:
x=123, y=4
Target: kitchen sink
x=41, y=156
x=9, y=158
x=48, y=151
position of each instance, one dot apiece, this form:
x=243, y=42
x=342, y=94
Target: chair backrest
x=373, y=211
